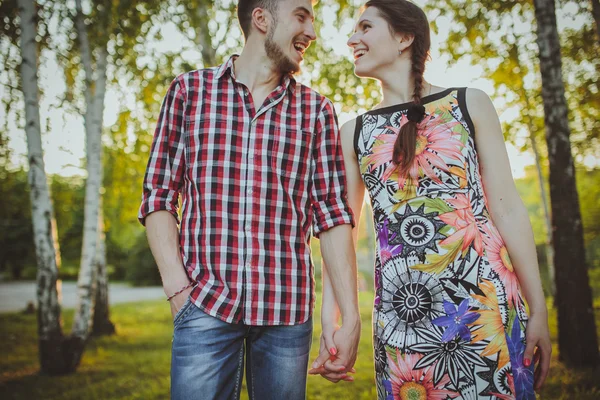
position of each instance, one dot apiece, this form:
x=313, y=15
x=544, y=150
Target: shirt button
x=249, y=191
x=247, y=264
x=248, y=227
x=251, y=155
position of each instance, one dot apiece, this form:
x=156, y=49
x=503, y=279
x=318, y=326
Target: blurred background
x=119, y=62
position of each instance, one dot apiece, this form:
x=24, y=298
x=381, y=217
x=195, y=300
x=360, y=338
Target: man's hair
x=245, y=8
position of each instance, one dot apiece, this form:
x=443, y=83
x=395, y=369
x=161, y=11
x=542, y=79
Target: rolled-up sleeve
x=164, y=174
x=329, y=197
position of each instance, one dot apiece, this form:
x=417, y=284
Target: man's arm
x=329, y=309
x=332, y=224
x=162, y=185
x=337, y=249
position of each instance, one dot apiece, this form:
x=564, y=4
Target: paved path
x=14, y=296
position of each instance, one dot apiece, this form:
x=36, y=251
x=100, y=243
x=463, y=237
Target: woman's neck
x=398, y=85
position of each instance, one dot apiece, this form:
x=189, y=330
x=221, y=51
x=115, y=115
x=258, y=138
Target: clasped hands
x=337, y=352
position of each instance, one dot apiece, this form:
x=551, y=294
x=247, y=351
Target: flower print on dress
x=522, y=375
x=491, y=329
x=416, y=231
x=387, y=249
x=463, y=220
x=407, y=382
x=380, y=355
x=409, y=299
x=443, y=245
x=435, y=139
x=455, y=357
x=456, y=320
x=500, y=261
x=386, y=252
x=465, y=236
x=490, y=375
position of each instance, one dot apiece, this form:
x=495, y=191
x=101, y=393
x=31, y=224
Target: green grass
x=134, y=364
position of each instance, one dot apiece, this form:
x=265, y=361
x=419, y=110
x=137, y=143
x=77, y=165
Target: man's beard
x=276, y=54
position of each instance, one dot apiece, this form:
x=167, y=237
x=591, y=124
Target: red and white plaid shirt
x=252, y=182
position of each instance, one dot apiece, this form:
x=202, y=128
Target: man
x=257, y=160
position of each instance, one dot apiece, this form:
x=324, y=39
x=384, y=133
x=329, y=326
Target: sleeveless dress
x=449, y=319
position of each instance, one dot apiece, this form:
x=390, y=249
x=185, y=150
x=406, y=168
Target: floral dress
x=449, y=319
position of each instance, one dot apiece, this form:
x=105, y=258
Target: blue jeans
x=207, y=359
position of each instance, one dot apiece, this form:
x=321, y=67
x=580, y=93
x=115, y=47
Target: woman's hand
x=324, y=365
x=538, y=339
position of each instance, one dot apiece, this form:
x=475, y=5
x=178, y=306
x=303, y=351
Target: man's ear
x=404, y=40
x=261, y=19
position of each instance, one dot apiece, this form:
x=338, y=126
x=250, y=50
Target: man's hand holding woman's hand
x=338, y=350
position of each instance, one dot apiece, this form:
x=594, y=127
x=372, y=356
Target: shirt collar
x=289, y=82
x=227, y=66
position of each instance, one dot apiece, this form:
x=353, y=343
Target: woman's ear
x=404, y=41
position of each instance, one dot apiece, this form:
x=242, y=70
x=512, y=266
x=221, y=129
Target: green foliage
x=499, y=37
x=16, y=232
x=332, y=74
x=68, y=199
x=141, y=270
x=588, y=187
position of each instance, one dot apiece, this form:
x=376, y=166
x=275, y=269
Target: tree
x=596, y=12
x=577, y=339
x=94, y=100
x=102, y=324
x=44, y=230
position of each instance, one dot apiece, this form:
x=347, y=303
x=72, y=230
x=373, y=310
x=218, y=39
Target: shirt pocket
x=291, y=153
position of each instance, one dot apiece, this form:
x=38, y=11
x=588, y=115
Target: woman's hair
x=407, y=18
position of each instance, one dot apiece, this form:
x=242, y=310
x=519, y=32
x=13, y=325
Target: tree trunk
x=46, y=245
x=94, y=96
x=596, y=13
x=102, y=324
x=577, y=339
x=203, y=36
x=547, y=217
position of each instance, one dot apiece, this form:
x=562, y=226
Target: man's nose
x=310, y=32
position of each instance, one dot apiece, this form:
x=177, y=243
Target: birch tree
x=44, y=229
x=94, y=99
x=102, y=324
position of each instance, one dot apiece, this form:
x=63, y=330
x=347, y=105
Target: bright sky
x=63, y=138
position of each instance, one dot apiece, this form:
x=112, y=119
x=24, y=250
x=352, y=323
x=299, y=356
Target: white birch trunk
x=102, y=324
x=94, y=96
x=42, y=214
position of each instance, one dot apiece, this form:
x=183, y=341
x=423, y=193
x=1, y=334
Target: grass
x=134, y=364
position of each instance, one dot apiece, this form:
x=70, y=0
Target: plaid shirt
x=252, y=182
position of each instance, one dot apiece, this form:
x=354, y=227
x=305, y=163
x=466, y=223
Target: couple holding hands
x=258, y=165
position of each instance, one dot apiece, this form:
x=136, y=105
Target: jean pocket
x=182, y=311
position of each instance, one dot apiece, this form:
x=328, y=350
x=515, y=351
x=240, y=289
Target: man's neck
x=255, y=70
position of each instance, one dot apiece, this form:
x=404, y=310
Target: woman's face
x=373, y=45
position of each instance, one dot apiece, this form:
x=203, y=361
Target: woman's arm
x=329, y=310
x=510, y=217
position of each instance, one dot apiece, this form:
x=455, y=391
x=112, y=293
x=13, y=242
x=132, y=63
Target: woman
x=449, y=318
